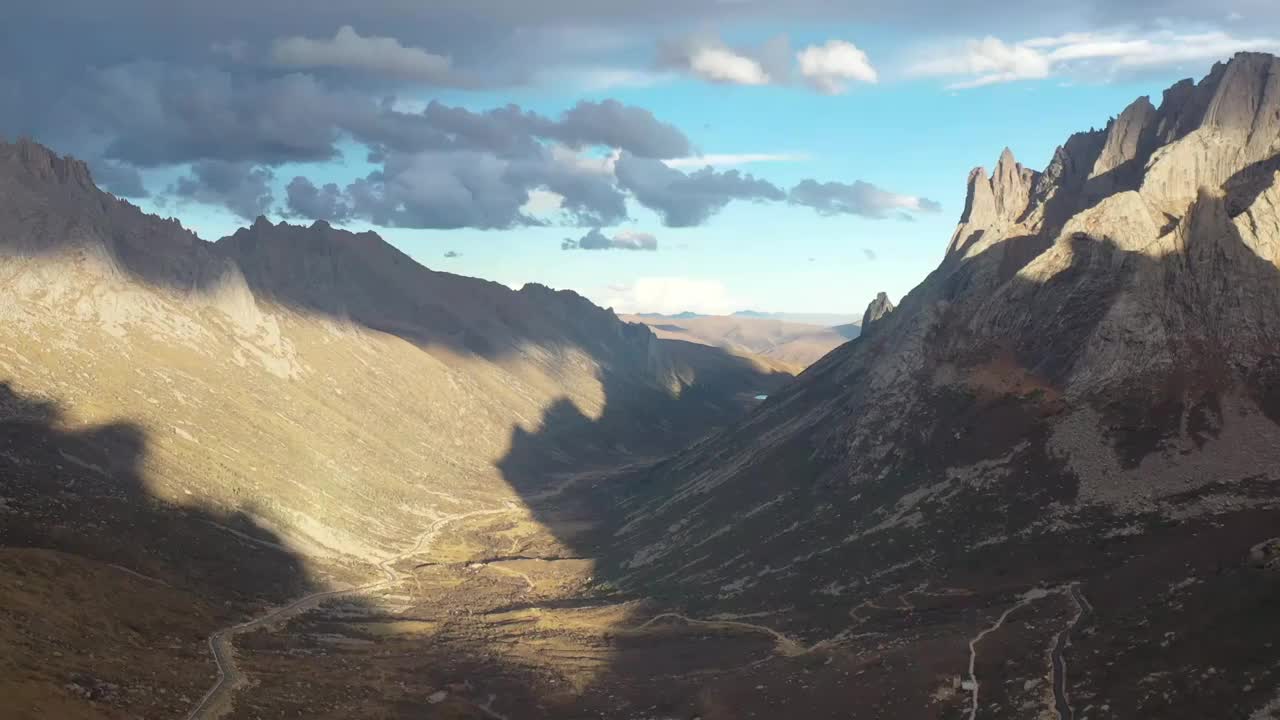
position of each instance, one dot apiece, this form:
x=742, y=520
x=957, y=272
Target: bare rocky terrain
x=293, y=473
x=1035, y=486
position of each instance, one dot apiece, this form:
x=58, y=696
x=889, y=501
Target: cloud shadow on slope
x=318, y=270
x=949, y=544
x=109, y=593
x=84, y=490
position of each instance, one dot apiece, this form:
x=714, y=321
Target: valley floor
x=497, y=618
x=497, y=611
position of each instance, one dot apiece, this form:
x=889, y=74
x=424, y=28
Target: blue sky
x=212, y=124
x=913, y=136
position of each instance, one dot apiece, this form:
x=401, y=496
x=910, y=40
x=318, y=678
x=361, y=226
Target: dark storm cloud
x=510, y=130
x=629, y=128
x=121, y=180
x=233, y=88
x=451, y=27
x=482, y=163
x=684, y=200
x=442, y=190
x=328, y=203
x=159, y=114
x=463, y=188
x=856, y=198
x=349, y=50
x=623, y=240
x=240, y=187
x=589, y=196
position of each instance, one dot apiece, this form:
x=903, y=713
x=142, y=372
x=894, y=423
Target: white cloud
x=828, y=68
x=669, y=295
x=720, y=64
x=1101, y=53
x=990, y=60
x=729, y=159
x=831, y=67
x=351, y=51
x=623, y=240
x=543, y=202
x=635, y=240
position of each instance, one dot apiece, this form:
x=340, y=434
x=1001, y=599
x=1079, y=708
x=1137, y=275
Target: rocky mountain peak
x=47, y=165
x=1097, y=362
x=1125, y=136
x=1011, y=187
x=1247, y=95
x=876, y=309
x=997, y=201
x=1202, y=134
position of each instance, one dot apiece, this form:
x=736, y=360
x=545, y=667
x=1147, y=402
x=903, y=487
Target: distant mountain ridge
x=794, y=346
x=823, y=319
x=279, y=319
x=194, y=432
x=820, y=319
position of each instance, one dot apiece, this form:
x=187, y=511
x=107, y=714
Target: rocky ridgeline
x=1096, y=357
x=287, y=351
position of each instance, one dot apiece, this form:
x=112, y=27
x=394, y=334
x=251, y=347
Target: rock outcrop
x=876, y=309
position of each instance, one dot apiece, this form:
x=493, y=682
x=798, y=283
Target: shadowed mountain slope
x=295, y=368
x=216, y=427
x=1080, y=402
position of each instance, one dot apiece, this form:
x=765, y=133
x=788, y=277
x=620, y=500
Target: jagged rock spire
x=876, y=310
x=994, y=202
x=1010, y=187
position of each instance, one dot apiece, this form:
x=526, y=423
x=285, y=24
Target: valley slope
x=1061, y=450
x=1043, y=486
x=200, y=430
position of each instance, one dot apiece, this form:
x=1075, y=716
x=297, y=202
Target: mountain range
x=284, y=409
x=791, y=346
x=294, y=473
x=819, y=319
x=1062, y=444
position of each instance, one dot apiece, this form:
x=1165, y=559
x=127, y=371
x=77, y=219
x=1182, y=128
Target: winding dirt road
x=218, y=700
x=1058, y=664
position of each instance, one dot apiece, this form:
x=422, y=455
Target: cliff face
x=1096, y=357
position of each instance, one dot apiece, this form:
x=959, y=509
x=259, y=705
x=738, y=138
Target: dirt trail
x=786, y=646
x=139, y=575
x=218, y=700
x=1058, y=664
x=1061, y=701
x=972, y=683
x=516, y=573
